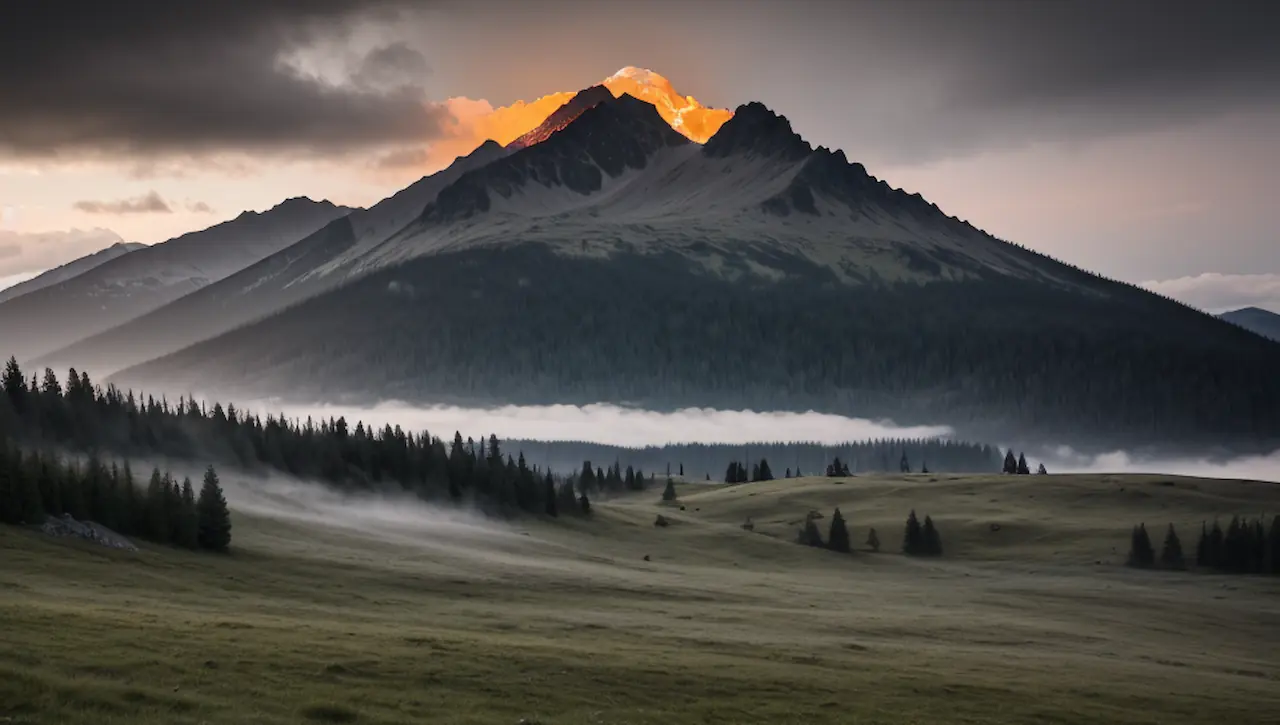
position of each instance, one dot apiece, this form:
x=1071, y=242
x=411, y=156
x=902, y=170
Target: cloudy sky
x=1138, y=139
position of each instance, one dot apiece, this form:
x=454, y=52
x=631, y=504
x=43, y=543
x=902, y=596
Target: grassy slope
x=567, y=623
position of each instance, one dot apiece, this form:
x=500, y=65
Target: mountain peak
x=683, y=113
x=757, y=131
x=563, y=116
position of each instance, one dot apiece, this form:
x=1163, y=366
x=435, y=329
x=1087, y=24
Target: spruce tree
x=584, y=504
x=913, y=536
x=188, y=533
x=1010, y=463
x=551, y=505
x=1202, y=546
x=1275, y=544
x=1023, y=470
x=810, y=535
x=213, y=518
x=766, y=473
x=904, y=466
x=1141, y=554
x=838, y=535
x=930, y=539
x=1171, y=553
x=1217, y=547
x=10, y=497
x=157, y=507
x=873, y=541
x=669, y=493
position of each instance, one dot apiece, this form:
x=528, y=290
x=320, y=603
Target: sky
x=1136, y=139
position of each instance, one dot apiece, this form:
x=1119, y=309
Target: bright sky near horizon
x=1136, y=139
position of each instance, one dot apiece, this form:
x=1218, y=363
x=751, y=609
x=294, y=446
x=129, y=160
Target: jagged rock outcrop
x=66, y=526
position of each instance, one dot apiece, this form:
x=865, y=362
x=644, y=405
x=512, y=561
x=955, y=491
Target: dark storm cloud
x=1004, y=71
x=149, y=203
x=159, y=77
x=391, y=66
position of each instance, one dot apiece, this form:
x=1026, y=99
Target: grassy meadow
x=397, y=614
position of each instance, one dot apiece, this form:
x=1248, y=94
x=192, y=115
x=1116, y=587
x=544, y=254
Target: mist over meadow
x=632, y=427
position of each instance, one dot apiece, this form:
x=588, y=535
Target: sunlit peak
x=684, y=113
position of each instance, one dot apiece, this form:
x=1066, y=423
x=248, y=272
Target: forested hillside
x=40, y=413
x=997, y=358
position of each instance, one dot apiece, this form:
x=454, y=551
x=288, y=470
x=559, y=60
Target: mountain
x=286, y=277
x=136, y=283
x=617, y=261
x=1253, y=319
x=562, y=117
x=74, y=268
x=684, y=113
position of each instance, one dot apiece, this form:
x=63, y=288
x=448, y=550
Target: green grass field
x=396, y=614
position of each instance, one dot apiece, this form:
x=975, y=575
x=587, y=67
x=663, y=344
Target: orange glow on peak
x=684, y=113
x=475, y=121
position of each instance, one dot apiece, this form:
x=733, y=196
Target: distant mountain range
x=608, y=257
x=71, y=269
x=1262, y=322
x=132, y=284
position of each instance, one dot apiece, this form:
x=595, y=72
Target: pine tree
x=931, y=540
x=1010, y=463
x=1023, y=470
x=913, y=536
x=1141, y=554
x=788, y=473
x=810, y=535
x=904, y=466
x=873, y=541
x=157, y=508
x=10, y=497
x=550, y=503
x=213, y=518
x=1275, y=544
x=188, y=534
x=765, y=473
x=15, y=385
x=669, y=493
x=1217, y=547
x=838, y=535
x=1171, y=553
x=1202, y=546
x=584, y=504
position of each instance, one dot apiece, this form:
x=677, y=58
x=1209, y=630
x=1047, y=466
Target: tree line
x=917, y=539
x=40, y=412
x=1243, y=547
x=34, y=486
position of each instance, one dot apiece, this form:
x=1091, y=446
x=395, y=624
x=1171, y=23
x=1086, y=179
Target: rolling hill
x=618, y=261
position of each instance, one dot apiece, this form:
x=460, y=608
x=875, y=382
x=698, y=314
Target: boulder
x=65, y=525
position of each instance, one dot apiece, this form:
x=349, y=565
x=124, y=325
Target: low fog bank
x=1251, y=468
x=611, y=424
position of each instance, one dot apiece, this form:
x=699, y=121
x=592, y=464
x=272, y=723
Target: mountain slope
x=1253, y=319
x=562, y=117
x=618, y=262
x=141, y=281
x=283, y=278
x=74, y=268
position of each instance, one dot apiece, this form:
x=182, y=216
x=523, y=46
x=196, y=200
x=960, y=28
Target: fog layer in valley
x=1252, y=468
x=613, y=425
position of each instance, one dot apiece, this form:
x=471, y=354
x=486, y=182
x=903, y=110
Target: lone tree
x=1141, y=553
x=913, y=536
x=669, y=493
x=810, y=535
x=213, y=518
x=838, y=536
x=904, y=466
x=1171, y=554
x=584, y=503
x=873, y=541
x=1010, y=463
x=1042, y=471
x=1023, y=470
x=931, y=540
